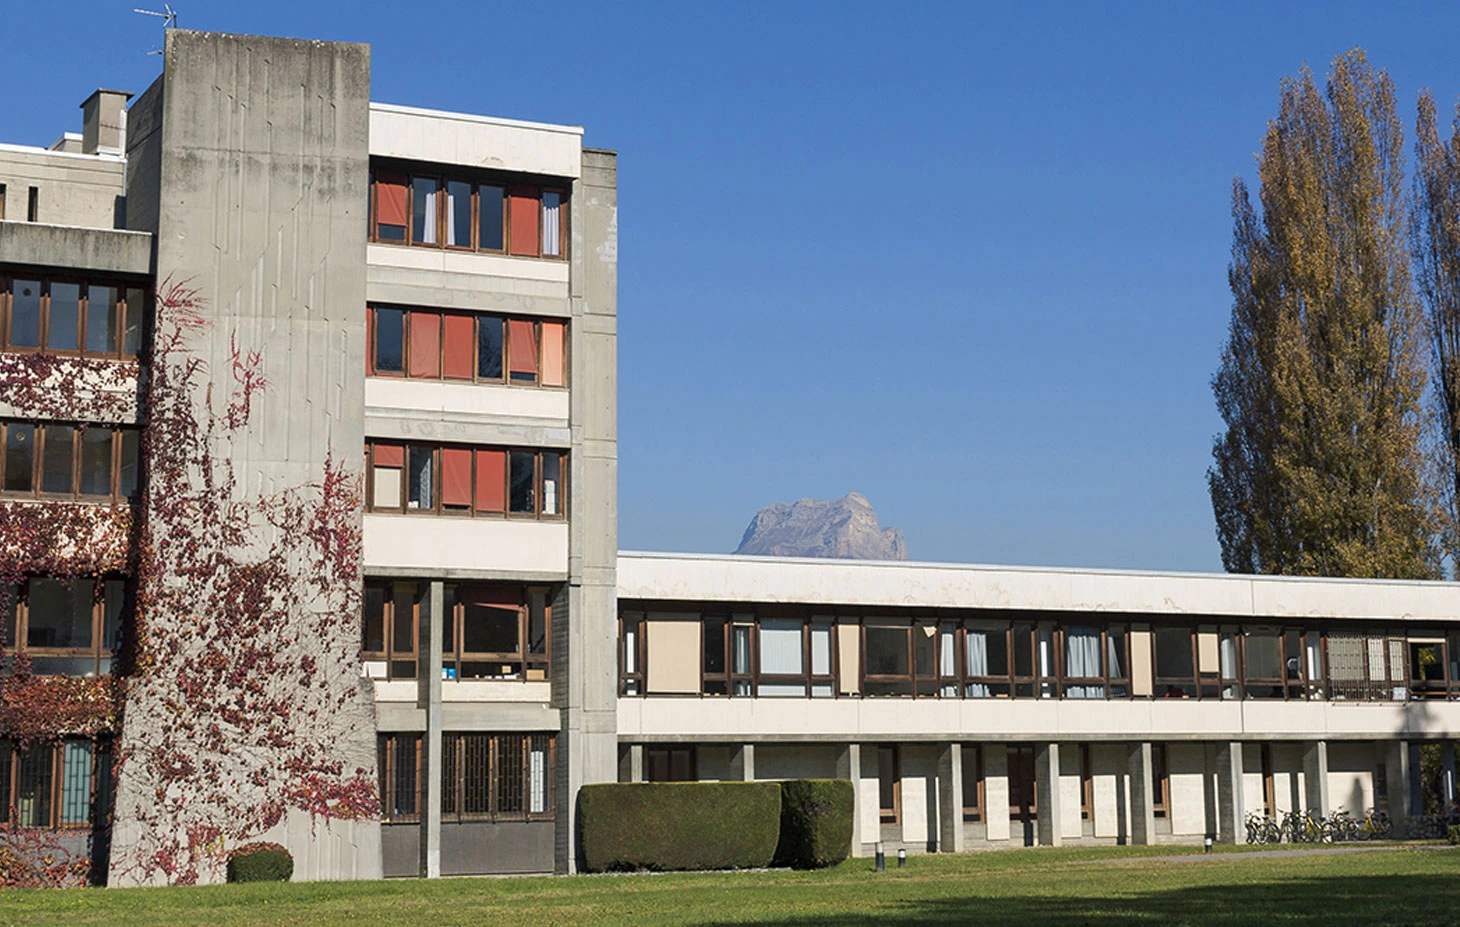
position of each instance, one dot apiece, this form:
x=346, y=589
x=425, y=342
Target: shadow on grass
x=1407, y=901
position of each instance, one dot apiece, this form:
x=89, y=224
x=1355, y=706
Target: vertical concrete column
x=849, y=766
x=429, y=681
x=631, y=763
x=995, y=792
x=1047, y=794
x=1396, y=775
x=1230, y=821
x=1142, y=795
x=1447, y=775
x=950, y=799
x=1315, y=777
x=742, y=762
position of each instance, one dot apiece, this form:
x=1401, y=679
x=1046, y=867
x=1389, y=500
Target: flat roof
x=729, y=578
x=469, y=117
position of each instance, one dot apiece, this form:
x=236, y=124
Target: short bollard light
x=1208, y=844
x=881, y=858
x=901, y=857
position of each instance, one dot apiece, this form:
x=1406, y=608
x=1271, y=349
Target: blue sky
x=967, y=260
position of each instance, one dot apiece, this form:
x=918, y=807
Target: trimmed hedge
x=679, y=825
x=1452, y=834
x=260, y=862
x=816, y=823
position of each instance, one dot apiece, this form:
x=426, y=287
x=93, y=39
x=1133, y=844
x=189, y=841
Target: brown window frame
x=477, y=180
x=973, y=812
x=12, y=764
x=399, y=663
x=532, y=666
x=390, y=748
x=1087, y=785
x=1160, y=781
x=480, y=765
x=505, y=378
x=438, y=507
x=631, y=682
x=889, y=813
x=2, y=201
x=15, y=604
x=43, y=431
x=33, y=205
x=122, y=313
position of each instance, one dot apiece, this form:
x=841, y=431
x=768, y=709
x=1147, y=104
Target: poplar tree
x=1320, y=469
x=1435, y=239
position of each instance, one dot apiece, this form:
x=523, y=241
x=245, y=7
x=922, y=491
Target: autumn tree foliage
x=1320, y=470
x=1435, y=243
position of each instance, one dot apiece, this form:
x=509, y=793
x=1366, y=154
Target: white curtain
x=780, y=647
x=1046, y=662
x=551, y=229
x=1227, y=662
x=821, y=650
x=451, y=219
x=948, y=663
x=537, y=779
x=1082, y=660
x=740, y=649
x=428, y=235
x=977, y=653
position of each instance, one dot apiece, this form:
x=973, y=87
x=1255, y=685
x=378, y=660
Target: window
x=85, y=462
x=54, y=785
x=669, y=764
x=468, y=213
x=425, y=344
x=390, y=629
x=67, y=627
x=33, y=205
x=466, y=481
x=1365, y=667
x=2, y=200
x=497, y=777
x=400, y=777
x=496, y=631
x=631, y=654
x=1160, y=781
x=1175, y=663
x=889, y=785
x=973, y=799
x=88, y=318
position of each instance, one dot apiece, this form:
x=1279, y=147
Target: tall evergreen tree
x=1320, y=470
x=1435, y=238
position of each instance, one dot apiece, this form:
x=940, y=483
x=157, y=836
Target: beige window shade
x=1206, y=652
x=672, y=660
x=849, y=656
x=1140, y=663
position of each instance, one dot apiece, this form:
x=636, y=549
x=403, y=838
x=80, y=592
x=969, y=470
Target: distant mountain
x=842, y=529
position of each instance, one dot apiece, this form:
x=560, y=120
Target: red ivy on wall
x=244, y=700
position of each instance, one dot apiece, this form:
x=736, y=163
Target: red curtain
x=456, y=476
x=425, y=345
x=491, y=481
x=390, y=198
x=459, y=346
x=524, y=220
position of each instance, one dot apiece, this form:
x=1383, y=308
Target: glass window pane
x=521, y=477
x=389, y=340
x=489, y=629
x=458, y=214
x=19, y=457
x=489, y=348
x=1173, y=653
x=403, y=617
x=373, y=639
x=128, y=469
x=57, y=459
x=887, y=651
x=1264, y=656
x=115, y=599
x=714, y=646
x=423, y=205
x=101, y=319
x=422, y=493
x=491, y=217
x=25, y=314
x=537, y=621
x=780, y=647
x=551, y=470
x=821, y=650
x=96, y=461
x=65, y=317
x=740, y=655
x=76, y=782
x=132, y=325
x=59, y=613
x=551, y=227
x=33, y=791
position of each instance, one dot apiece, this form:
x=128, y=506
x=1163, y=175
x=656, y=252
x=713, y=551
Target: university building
x=308, y=533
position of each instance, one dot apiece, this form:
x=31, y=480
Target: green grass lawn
x=1097, y=887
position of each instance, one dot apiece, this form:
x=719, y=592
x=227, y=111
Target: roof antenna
x=168, y=17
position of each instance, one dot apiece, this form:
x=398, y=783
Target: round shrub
x=260, y=862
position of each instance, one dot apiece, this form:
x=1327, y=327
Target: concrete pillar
x=631, y=763
x=1315, y=777
x=428, y=676
x=849, y=766
x=742, y=762
x=1230, y=822
x=1142, y=795
x=1047, y=794
x=1447, y=775
x=950, y=799
x=1396, y=777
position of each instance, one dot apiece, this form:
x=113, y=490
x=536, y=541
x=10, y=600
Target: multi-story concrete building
x=308, y=501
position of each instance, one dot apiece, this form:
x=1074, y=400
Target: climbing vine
x=244, y=700
x=72, y=388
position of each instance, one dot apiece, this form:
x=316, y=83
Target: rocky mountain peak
x=841, y=529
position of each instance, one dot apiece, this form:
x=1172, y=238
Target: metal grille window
x=400, y=777
x=497, y=777
x=52, y=785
